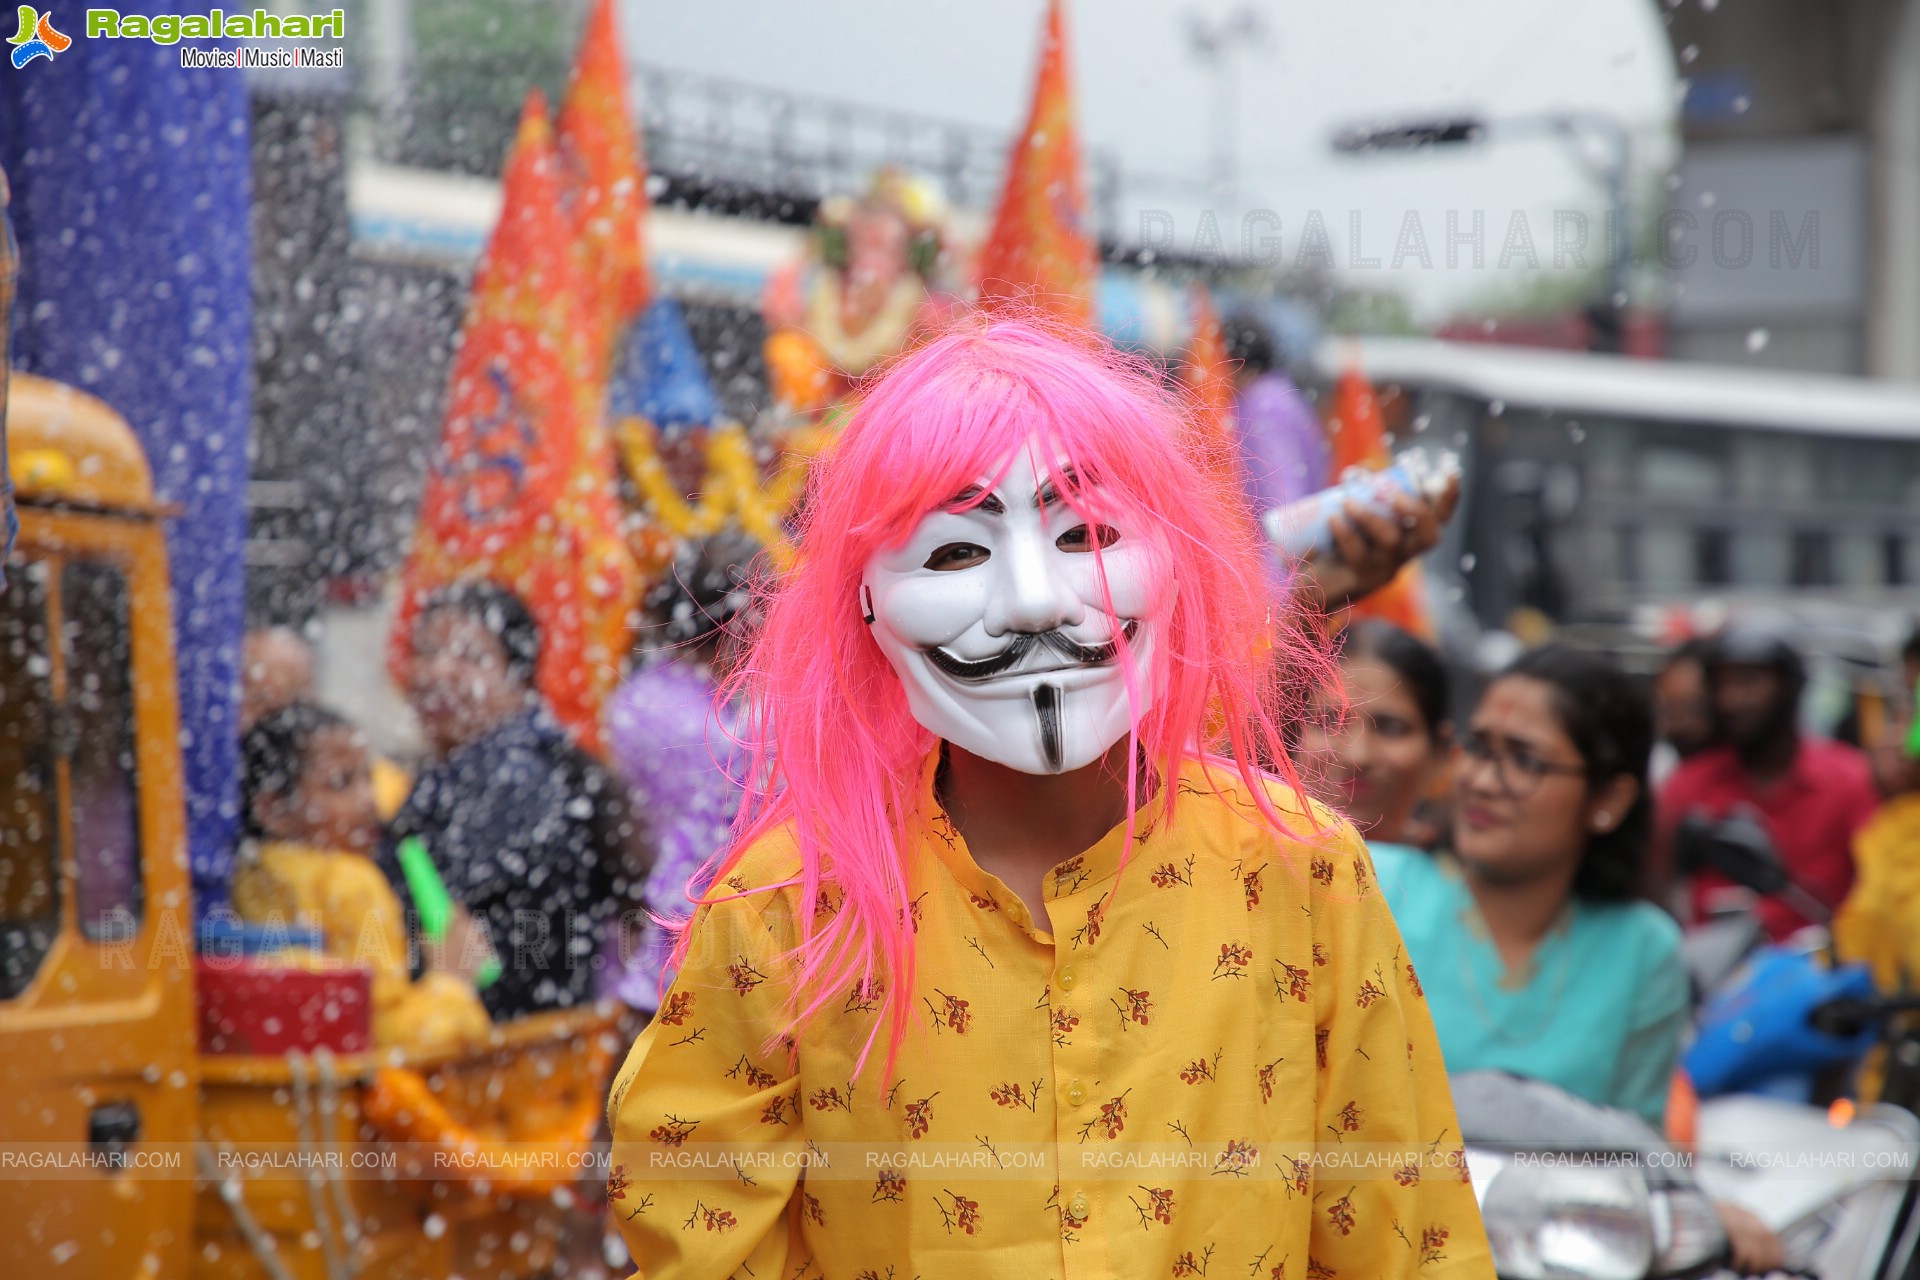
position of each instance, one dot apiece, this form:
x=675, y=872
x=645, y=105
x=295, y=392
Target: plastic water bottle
x=1302, y=528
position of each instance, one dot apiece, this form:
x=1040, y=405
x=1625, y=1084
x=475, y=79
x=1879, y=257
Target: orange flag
x=1357, y=437
x=607, y=178
x=521, y=488
x=1039, y=253
x=1209, y=370
x=1356, y=429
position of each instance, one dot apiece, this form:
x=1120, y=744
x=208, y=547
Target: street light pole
x=1213, y=43
x=1573, y=128
x=1613, y=173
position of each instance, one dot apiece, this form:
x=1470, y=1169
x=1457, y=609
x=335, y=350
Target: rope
x=350, y=1232
x=250, y=1230
x=316, y=1191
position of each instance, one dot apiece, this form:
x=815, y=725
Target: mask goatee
x=1046, y=709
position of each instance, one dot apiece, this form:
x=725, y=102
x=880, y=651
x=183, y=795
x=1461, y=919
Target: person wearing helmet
x=1813, y=794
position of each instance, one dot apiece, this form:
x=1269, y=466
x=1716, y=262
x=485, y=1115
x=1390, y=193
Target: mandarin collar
x=1093, y=866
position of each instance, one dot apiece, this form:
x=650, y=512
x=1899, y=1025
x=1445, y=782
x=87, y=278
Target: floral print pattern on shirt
x=1214, y=1064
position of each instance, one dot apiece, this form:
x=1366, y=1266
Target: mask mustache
x=1086, y=655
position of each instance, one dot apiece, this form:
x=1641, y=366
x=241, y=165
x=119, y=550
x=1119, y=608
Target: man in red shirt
x=1812, y=794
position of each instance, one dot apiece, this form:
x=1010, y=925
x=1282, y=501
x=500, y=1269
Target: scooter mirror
x=1737, y=846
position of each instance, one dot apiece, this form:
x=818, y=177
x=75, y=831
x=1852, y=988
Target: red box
x=252, y=1008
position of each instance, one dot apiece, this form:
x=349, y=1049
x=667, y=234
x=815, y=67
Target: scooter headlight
x=1572, y=1218
x=1687, y=1235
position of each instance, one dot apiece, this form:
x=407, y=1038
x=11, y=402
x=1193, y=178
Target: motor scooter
x=1573, y=1191
x=1834, y=1182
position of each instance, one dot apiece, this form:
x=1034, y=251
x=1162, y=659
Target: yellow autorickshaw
x=123, y=1144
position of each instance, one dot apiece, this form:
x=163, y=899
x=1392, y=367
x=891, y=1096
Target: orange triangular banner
x=606, y=176
x=1039, y=253
x=521, y=487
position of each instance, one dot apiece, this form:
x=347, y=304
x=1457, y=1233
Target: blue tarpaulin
x=131, y=193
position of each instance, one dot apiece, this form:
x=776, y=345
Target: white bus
x=1608, y=490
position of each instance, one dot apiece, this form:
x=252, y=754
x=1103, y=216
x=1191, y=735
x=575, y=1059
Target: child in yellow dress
x=309, y=807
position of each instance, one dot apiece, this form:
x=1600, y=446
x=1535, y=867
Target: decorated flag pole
x=1208, y=374
x=1039, y=253
x=521, y=488
x=605, y=174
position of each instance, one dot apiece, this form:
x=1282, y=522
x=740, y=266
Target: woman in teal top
x=1597, y=1007
x=1534, y=955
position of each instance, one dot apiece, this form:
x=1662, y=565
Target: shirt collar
x=1096, y=865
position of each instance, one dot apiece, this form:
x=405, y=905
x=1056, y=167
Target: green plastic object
x=429, y=892
x=1913, y=730
x=434, y=903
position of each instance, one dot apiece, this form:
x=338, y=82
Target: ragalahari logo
x=36, y=37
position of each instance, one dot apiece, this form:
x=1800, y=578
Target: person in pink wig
x=1019, y=964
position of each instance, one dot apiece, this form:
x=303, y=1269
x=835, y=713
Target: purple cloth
x=1282, y=448
x=672, y=741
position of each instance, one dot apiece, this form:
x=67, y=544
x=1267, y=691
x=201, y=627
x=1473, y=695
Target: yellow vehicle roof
x=66, y=446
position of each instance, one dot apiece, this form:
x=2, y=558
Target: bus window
x=1666, y=557
x=1812, y=558
x=1857, y=561
x=1774, y=469
x=29, y=830
x=106, y=828
x=1682, y=473
x=1712, y=558
x=1762, y=558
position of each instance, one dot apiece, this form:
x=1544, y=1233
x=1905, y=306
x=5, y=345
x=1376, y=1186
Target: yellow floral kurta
x=1221, y=1065
x=1876, y=925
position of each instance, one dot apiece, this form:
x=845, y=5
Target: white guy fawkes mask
x=995, y=622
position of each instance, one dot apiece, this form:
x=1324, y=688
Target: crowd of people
x=1526, y=847
x=539, y=846
x=1549, y=828
x=1537, y=888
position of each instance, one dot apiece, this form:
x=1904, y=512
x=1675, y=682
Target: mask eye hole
x=1083, y=537
x=956, y=555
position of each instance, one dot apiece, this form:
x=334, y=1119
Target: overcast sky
x=1147, y=98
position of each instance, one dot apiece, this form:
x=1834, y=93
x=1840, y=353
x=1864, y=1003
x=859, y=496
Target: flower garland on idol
x=732, y=490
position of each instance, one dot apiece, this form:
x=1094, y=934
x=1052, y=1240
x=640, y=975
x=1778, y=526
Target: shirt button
x=1067, y=979
x=1076, y=1093
x=1079, y=1208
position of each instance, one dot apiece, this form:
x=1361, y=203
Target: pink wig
x=838, y=754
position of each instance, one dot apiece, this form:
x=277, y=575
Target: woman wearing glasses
x=1534, y=953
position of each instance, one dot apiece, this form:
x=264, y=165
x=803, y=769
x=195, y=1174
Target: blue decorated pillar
x=131, y=195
